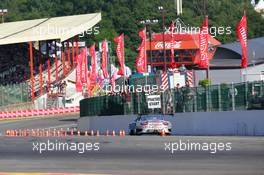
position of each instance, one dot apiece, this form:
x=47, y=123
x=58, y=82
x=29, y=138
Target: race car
x=149, y=124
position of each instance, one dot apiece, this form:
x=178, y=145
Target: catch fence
x=222, y=97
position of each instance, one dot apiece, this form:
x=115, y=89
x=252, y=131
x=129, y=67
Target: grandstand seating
x=15, y=85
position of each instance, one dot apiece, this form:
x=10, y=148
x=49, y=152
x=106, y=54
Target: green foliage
x=124, y=16
x=204, y=82
x=224, y=86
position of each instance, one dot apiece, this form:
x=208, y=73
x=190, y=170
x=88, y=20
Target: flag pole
x=31, y=72
x=145, y=43
x=208, y=67
x=123, y=42
x=246, y=45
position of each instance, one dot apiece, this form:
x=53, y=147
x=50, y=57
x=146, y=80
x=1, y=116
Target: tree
x=123, y=16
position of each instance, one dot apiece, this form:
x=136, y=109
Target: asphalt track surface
x=127, y=155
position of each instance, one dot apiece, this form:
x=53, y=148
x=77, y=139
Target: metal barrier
x=17, y=106
x=223, y=97
x=12, y=94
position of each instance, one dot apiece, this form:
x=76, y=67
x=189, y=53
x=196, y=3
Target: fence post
x=8, y=95
x=261, y=88
x=106, y=100
x=233, y=97
x=163, y=103
x=138, y=103
x=195, y=99
x=2, y=95
x=173, y=100
x=207, y=98
x=219, y=98
x=246, y=94
x=21, y=90
x=210, y=98
x=131, y=103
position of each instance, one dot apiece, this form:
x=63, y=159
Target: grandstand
x=28, y=74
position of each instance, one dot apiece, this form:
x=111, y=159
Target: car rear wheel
x=132, y=132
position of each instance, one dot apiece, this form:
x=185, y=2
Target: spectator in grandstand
x=63, y=87
x=84, y=91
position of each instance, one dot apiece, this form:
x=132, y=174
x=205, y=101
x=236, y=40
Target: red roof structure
x=186, y=49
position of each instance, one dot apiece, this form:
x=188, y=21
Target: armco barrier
x=38, y=112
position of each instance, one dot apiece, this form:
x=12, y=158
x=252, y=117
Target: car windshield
x=152, y=117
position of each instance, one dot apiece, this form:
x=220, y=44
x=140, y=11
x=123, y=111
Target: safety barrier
x=61, y=132
x=38, y=112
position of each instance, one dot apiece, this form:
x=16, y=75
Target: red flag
x=120, y=53
x=172, y=27
x=93, y=73
x=88, y=85
x=83, y=66
x=241, y=31
x=78, y=84
x=203, y=45
x=104, y=59
x=141, y=61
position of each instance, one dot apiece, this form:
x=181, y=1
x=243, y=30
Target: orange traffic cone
x=24, y=132
x=113, y=133
x=79, y=134
x=97, y=133
x=72, y=133
x=124, y=133
x=86, y=133
x=16, y=133
x=54, y=132
x=20, y=132
x=12, y=133
x=58, y=133
x=107, y=132
x=92, y=133
x=163, y=133
x=7, y=133
x=42, y=132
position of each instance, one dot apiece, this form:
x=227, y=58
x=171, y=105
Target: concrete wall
x=200, y=123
